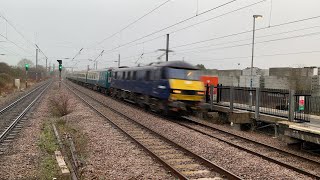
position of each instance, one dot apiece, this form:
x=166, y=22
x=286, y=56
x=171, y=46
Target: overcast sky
x=62, y=27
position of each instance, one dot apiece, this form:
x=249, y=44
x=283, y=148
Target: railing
x=276, y=102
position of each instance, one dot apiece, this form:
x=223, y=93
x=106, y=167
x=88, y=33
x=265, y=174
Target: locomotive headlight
x=200, y=93
x=176, y=91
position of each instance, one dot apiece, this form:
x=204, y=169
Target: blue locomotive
x=163, y=87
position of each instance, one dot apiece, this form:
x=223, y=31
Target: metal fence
x=275, y=102
x=314, y=105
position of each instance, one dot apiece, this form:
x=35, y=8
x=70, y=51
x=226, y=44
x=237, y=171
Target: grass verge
x=48, y=144
x=80, y=140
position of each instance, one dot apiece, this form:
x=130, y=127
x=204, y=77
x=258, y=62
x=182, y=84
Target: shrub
x=5, y=78
x=60, y=105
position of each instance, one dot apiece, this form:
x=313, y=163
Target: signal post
x=60, y=69
x=27, y=68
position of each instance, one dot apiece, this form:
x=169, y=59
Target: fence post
x=211, y=96
x=257, y=104
x=231, y=98
x=291, y=105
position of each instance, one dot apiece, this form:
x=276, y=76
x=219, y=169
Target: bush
x=5, y=78
x=60, y=105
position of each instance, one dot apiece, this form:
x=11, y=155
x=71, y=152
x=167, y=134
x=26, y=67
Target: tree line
x=9, y=73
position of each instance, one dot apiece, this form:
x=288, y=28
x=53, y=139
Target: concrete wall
x=315, y=86
x=275, y=82
x=229, y=80
x=288, y=71
x=255, y=72
x=264, y=72
x=234, y=72
x=245, y=81
x=299, y=79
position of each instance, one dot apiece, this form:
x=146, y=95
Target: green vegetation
x=48, y=144
x=47, y=140
x=49, y=169
x=9, y=73
x=80, y=140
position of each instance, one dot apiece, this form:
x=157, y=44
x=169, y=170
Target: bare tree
x=22, y=62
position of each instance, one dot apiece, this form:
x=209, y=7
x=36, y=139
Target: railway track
x=14, y=115
x=260, y=149
x=181, y=162
x=272, y=154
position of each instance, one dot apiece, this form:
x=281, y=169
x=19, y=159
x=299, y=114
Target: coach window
x=123, y=75
x=147, y=76
x=163, y=73
x=140, y=75
x=128, y=75
x=115, y=75
x=157, y=74
x=151, y=76
x=134, y=75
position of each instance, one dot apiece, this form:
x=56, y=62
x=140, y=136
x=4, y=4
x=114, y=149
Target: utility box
x=17, y=83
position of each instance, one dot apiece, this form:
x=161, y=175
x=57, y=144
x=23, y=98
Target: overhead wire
x=13, y=26
x=260, y=42
x=173, y=25
x=15, y=44
x=230, y=12
x=274, y=34
x=246, y=44
x=11, y=52
x=244, y=32
x=215, y=17
x=135, y=21
x=263, y=55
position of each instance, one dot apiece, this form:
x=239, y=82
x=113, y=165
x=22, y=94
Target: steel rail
x=21, y=115
x=209, y=164
x=21, y=98
x=250, y=151
x=242, y=148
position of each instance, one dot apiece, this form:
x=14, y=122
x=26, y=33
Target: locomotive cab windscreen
x=185, y=74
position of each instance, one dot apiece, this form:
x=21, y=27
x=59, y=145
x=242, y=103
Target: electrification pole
x=252, y=56
x=37, y=64
x=167, y=49
x=46, y=66
x=119, y=60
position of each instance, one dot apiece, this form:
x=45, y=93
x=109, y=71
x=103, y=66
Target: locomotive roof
x=173, y=64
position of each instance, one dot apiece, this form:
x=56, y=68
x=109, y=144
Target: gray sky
x=62, y=27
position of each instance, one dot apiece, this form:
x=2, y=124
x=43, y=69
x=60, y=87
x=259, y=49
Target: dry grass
x=60, y=105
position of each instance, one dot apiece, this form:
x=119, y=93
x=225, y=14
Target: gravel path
x=241, y=163
x=111, y=155
x=22, y=159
